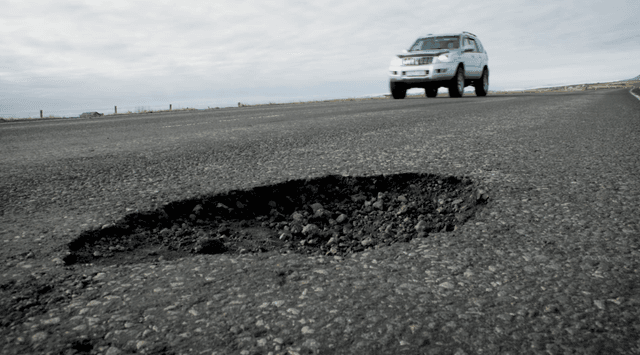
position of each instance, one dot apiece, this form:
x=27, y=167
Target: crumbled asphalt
x=332, y=215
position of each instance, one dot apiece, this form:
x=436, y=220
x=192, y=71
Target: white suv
x=445, y=60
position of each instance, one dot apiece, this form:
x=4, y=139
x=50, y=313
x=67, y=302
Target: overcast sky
x=67, y=56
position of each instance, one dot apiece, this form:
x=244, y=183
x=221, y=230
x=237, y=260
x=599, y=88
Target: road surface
x=550, y=265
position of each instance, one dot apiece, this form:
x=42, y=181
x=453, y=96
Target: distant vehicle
x=449, y=60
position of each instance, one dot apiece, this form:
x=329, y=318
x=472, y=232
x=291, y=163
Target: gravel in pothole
x=332, y=215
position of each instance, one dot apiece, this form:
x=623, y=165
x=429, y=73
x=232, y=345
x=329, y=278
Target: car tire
x=456, y=86
x=398, y=90
x=482, y=85
x=431, y=91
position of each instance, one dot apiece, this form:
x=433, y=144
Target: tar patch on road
x=332, y=215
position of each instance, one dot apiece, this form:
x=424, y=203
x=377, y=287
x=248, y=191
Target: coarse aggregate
x=550, y=265
x=332, y=215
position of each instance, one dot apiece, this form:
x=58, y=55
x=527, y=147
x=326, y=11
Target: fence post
x=40, y=113
x=169, y=107
x=115, y=109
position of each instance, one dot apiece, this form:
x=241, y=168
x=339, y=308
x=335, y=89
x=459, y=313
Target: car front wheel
x=482, y=86
x=398, y=90
x=456, y=87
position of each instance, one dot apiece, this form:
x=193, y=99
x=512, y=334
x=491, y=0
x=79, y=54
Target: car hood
x=434, y=52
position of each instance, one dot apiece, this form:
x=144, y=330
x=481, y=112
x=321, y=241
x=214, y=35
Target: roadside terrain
x=498, y=225
x=623, y=84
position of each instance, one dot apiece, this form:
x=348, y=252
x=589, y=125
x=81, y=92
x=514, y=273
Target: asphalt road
x=561, y=171
x=115, y=164
x=72, y=138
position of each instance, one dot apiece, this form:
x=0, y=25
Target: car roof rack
x=469, y=33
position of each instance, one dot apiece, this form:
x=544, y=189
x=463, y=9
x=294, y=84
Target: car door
x=468, y=57
x=476, y=59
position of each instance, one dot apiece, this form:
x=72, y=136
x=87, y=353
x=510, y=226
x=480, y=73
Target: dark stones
x=332, y=215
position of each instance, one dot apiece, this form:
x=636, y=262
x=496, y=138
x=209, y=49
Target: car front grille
x=417, y=61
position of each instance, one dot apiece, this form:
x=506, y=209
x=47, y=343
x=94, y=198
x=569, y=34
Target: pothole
x=332, y=215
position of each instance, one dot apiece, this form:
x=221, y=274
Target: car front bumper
x=422, y=74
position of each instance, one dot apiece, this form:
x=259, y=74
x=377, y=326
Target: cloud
x=87, y=50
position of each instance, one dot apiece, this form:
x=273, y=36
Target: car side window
x=474, y=45
x=468, y=44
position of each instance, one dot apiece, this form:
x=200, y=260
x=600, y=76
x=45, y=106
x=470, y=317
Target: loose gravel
x=332, y=215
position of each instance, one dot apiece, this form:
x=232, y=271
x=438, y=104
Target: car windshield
x=448, y=42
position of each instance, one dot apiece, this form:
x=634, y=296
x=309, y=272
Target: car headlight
x=443, y=58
